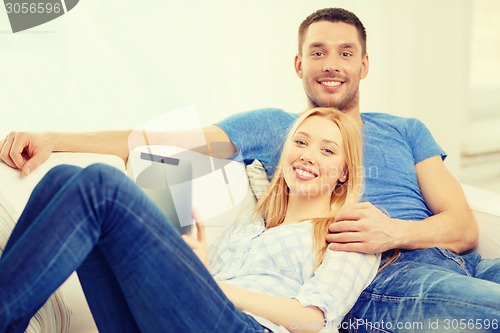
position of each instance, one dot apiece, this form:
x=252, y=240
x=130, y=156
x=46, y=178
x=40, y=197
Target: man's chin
x=340, y=104
x=326, y=103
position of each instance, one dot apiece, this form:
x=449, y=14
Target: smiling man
x=414, y=210
x=332, y=60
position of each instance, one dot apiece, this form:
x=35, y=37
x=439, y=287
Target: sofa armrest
x=18, y=187
x=486, y=208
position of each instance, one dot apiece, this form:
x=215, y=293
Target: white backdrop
x=114, y=64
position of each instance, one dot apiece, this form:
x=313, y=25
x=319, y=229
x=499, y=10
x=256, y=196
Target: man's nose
x=331, y=63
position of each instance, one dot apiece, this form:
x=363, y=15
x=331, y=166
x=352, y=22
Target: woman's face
x=314, y=160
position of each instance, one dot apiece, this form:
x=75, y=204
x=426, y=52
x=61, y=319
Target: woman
x=139, y=275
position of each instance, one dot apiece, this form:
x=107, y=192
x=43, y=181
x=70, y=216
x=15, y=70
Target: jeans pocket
x=450, y=255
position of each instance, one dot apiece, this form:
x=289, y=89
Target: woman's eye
x=328, y=151
x=300, y=142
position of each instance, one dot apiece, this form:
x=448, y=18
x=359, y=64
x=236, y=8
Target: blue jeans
x=431, y=290
x=137, y=273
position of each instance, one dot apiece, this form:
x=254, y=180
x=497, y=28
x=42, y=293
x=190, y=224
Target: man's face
x=331, y=65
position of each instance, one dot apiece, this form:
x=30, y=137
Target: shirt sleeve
x=337, y=284
x=258, y=135
x=421, y=141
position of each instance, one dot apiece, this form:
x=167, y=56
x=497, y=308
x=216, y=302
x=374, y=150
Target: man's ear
x=298, y=65
x=365, y=66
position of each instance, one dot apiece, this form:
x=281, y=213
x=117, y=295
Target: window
x=485, y=60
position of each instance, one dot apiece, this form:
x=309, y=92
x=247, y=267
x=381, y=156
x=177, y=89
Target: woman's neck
x=300, y=209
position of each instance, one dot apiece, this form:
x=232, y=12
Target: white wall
x=114, y=64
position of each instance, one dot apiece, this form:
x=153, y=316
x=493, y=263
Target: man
x=411, y=203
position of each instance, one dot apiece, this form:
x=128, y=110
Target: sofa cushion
x=484, y=205
x=54, y=316
x=257, y=178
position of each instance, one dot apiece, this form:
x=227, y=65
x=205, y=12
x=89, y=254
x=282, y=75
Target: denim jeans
x=137, y=273
x=431, y=290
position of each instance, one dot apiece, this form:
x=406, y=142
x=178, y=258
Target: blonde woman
x=272, y=274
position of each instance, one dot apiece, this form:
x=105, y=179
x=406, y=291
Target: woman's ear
x=344, y=177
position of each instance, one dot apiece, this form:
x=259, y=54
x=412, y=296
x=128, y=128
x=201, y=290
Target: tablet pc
x=167, y=182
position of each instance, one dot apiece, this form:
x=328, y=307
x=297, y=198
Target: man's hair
x=333, y=15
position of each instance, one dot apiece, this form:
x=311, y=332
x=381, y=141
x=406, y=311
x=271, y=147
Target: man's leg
x=489, y=269
x=427, y=291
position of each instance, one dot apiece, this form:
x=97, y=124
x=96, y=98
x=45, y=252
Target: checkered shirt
x=280, y=262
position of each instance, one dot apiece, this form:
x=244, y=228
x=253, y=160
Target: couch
x=68, y=310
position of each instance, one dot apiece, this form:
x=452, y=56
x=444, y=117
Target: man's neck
x=353, y=113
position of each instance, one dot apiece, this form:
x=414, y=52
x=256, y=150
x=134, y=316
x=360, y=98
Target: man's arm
x=364, y=228
x=26, y=151
x=453, y=225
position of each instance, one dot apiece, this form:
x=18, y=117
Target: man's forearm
x=450, y=230
x=210, y=140
x=27, y=150
x=109, y=142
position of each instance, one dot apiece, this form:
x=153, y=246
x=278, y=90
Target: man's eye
x=317, y=54
x=346, y=54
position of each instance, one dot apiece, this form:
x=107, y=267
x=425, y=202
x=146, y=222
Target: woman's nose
x=306, y=157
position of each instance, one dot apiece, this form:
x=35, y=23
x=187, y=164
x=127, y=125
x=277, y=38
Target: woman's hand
x=198, y=245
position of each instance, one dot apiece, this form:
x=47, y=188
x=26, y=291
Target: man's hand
x=25, y=151
x=363, y=228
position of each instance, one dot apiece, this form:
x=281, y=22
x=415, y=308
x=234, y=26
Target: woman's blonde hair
x=274, y=203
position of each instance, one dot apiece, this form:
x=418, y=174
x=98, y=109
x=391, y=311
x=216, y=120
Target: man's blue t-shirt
x=392, y=147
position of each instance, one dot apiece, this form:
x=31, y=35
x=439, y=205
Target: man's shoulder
x=261, y=123
x=380, y=119
x=270, y=112
x=379, y=116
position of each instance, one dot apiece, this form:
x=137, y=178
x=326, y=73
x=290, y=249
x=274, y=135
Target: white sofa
x=17, y=188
